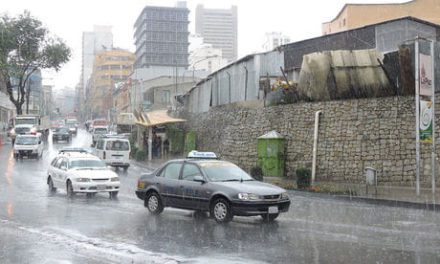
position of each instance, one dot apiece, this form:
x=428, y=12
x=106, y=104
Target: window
x=54, y=161
x=171, y=171
x=190, y=171
x=100, y=144
x=63, y=163
x=58, y=163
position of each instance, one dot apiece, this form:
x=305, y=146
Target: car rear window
x=118, y=145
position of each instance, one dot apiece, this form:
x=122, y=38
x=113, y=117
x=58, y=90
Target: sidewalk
x=397, y=196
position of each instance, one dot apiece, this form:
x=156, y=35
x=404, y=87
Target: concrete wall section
x=353, y=134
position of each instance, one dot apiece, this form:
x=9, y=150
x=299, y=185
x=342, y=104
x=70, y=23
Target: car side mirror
x=63, y=168
x=199, y=178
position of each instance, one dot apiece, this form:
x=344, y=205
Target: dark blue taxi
x=218, y=187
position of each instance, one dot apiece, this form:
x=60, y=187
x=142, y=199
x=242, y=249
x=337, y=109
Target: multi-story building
x=273, y=40
x=110, y=68
x=161, y=37
x=219, y=28
x=101, y=38
x=358, y=15
x=207, y=58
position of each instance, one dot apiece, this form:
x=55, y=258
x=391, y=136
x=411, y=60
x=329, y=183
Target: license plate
x=101, y=187
x=273, y=210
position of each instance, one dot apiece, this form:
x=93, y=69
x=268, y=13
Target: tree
x=25, y=47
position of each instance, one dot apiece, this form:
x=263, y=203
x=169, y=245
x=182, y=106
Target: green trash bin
x=271, y=154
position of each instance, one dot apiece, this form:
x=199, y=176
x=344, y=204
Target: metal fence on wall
x=236, y=82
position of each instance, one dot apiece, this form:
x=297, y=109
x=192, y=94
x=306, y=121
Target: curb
x=375, y=201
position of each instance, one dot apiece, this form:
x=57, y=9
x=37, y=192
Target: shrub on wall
x=303, y=178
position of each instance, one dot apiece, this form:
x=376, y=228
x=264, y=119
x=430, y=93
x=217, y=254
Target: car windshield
x=224, y=171
x=87, y=163
x=25, y=121
x=26, y=141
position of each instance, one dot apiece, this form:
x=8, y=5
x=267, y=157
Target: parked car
x=81, y=173
x=114, y=151
x=215, y=186
x=61, y=134
x=30, y=146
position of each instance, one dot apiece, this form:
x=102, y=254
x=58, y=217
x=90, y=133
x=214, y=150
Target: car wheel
x=125, y=168
x=269, y=217
x=221, y=211
x=113, y=195
x=154, y=203
x=69, y=189
x=52, y=189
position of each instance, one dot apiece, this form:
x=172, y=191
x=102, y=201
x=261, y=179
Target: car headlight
x=248, y=196
x=82, y=179
x=284, y=196
x=115, y=179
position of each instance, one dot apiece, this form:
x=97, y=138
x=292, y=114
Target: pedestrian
x=159, y=147
x=166, y=147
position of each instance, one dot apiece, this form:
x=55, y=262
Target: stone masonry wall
x=353, y=134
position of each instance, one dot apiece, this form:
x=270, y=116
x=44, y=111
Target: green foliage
x=303, y=178
x=190, y=141
x=257, y=173
x=176, y=137
x=140, y=155
x=26, y=47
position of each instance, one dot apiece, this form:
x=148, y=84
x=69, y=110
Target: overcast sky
x=68, y=19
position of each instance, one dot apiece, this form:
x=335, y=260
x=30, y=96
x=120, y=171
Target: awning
x=155, y=118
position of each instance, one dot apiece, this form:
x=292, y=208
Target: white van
x=28, y=145
x=114, y=151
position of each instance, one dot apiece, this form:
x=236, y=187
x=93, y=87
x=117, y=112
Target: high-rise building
x=101, y=38
x=161, y=36
x=219, y=28
x=274, y=39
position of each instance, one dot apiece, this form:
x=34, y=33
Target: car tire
x=154, y=203
x=221, y=211
x=52, y=189
x=269, y=217
x=113, y=195
x=125, y=168
x=69, y=189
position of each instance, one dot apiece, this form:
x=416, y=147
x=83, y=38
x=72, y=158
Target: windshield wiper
x=230, y=180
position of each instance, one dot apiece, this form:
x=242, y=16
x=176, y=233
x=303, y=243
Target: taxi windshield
x=87, y=163
x=224, y=171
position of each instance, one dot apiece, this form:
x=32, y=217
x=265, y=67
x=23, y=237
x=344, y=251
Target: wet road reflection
x=99, y=230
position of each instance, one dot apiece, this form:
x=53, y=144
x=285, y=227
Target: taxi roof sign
x=201, y=155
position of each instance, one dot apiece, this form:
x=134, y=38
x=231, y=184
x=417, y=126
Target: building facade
x=101, y=38
x=358, y=15
x=110, y=68
x=207, y=58
x=219, y=28
x=273, y=40
x=161, y=36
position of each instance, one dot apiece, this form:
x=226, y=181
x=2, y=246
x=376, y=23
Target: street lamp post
x=206, y=58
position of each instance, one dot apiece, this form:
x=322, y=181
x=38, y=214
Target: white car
x=28, y=145
x=81, y=173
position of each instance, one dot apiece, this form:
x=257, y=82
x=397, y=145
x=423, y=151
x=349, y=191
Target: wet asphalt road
x=36, y=227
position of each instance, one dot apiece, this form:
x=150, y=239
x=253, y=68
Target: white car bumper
x=93, y=187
